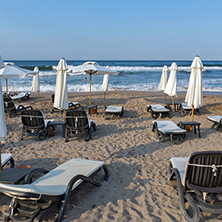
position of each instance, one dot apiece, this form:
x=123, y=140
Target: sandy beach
x=138, y=189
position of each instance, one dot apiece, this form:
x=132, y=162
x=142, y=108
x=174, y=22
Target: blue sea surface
x=133, y=75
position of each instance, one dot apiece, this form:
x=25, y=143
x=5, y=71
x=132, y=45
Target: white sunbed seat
x=157, y=110
x=217, y=121
x=53, y=188
x=5, y=158
x=185, y=109
x=114, y=111
x=198, y=182
x=22, y=95
x=165, y=128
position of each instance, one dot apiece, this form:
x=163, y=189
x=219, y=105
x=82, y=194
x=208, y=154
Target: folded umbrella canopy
x=61, y=93
x=92, y=68
x=11, y=71
x=171, y=86
x=105, y=84
x=35, y=81
x=194, y=96
x=163, y=80
x=3, y=129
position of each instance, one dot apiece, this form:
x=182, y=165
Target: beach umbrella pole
x=165, y=97
x=192, y=114
x=6, y=83
x=90, y=82
x=38, y=94
x=173, y=103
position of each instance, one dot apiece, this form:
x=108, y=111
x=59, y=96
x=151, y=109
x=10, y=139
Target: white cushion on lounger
x=158, y=108
x=167, y=126
x=5, y=157
x=114, y=109
x=215, y=118
x=185, y=106
x=16, y=106
x=55, y=182
x=19, y=96
x=180, y=164
x=74, y=103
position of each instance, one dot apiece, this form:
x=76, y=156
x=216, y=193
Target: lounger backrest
x=33, y=118
x=9, y=103
x=77, y=119
x=204, y=171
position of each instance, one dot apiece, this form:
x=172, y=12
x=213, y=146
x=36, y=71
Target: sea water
x=133, y=75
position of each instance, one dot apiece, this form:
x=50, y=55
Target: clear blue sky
x=115, y=29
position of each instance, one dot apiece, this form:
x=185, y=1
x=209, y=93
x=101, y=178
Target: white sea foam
x=150, y=68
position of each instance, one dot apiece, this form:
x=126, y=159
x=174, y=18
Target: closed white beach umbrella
x=3, y=129
x=61, y=93
x=92, y=68
x=35, y=81
x=194, y=96
x=12, y=71
x=105, y=84
x=163, y=80
x=171, y=86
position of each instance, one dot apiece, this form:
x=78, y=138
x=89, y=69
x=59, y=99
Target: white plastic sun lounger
x=217, y=121
x=114, y=111
x=185, y=109
x=21, y=96
x=167, y=128
x=157, y=110
x=198, y=181
x=35, y=200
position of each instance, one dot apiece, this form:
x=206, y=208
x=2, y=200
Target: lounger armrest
x=28, y=177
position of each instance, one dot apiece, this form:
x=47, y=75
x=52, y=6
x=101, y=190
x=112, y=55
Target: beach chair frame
x=188, y=111
x=11, y=108
x=200, y=184
x=35, y=207
x=157, y=114
x=33, y=124
x=77, y=125
x=113, y=115
x=216, y=124
x=162, y=136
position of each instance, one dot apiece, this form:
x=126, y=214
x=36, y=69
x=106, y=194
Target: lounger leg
x=66, y=134
x=68, y=193
x=199, y=131
x=181, y=192
x=219, y=124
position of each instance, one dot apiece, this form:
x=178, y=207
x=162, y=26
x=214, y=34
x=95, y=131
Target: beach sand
x=138, y=189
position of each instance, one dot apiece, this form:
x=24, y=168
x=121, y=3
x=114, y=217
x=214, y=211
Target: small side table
x=89, y=108
x=13, y=175
x=57, y=123
x=176, y=106
x=194, y=124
